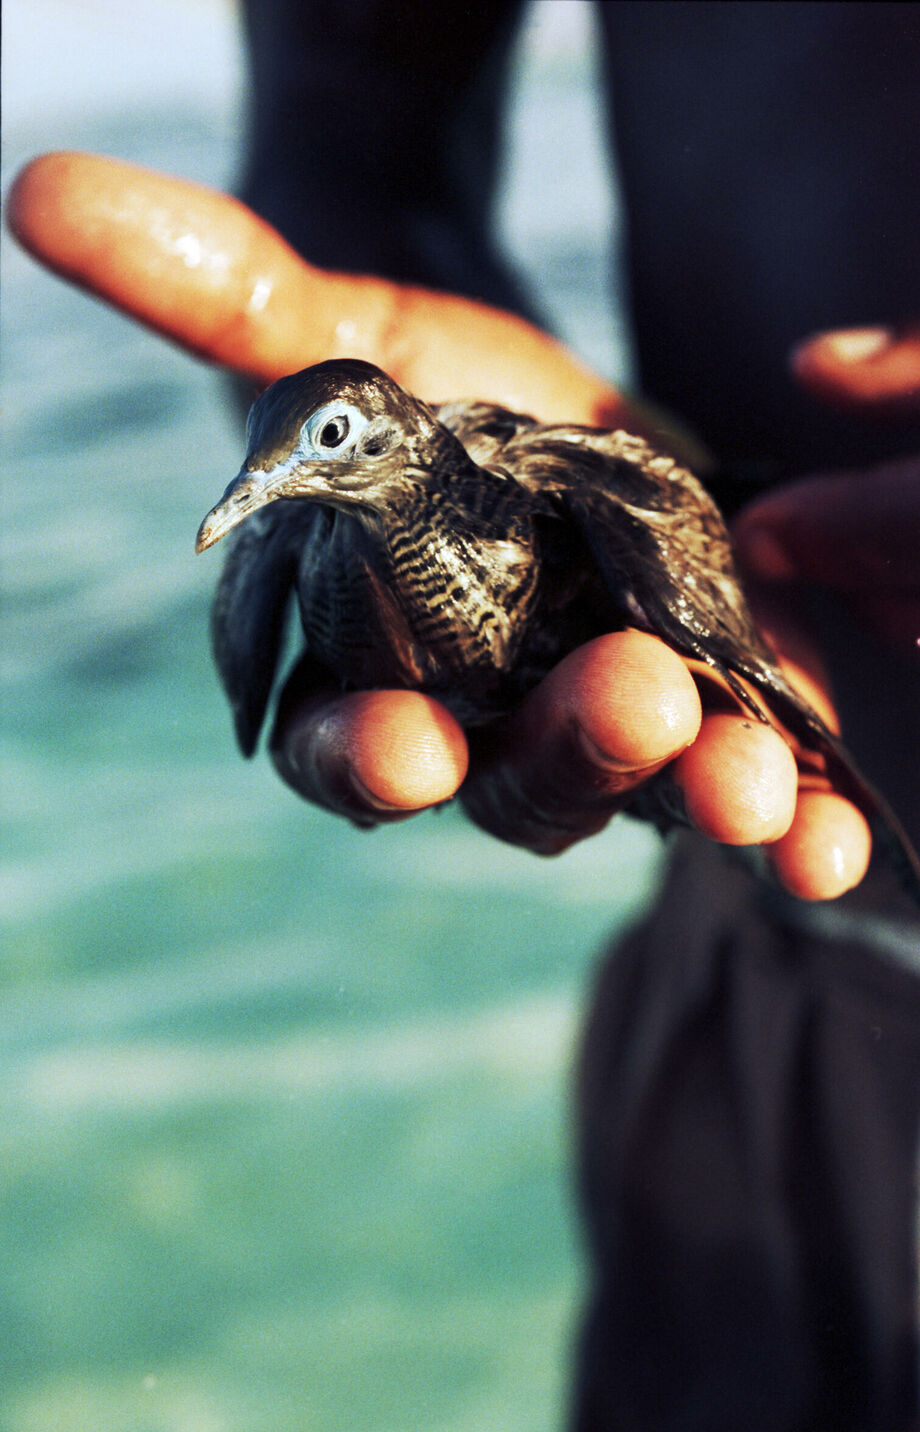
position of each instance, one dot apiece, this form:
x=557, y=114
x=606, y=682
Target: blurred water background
x=284, y=1129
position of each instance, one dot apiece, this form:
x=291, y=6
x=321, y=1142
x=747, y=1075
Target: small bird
x=463, y=550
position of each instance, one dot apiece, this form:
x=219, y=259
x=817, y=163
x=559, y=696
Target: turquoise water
x=284, y=1130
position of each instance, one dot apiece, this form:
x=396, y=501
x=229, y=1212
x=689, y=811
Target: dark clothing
x=749, y=1101
x=751, y=1087
x=375, y=136
x=770, y=166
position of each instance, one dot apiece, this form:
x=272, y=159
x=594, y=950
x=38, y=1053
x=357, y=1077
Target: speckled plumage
x=464, y=550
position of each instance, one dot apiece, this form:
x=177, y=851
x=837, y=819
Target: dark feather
x=248, y=615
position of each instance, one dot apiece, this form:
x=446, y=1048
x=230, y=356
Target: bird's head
x=340, y=433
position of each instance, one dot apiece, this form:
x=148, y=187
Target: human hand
x=201, y=269
x=857, y=533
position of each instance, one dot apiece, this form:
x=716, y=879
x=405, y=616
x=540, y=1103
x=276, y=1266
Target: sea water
x=284, y=1106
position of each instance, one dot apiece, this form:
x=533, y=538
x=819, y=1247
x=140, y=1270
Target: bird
x=464, y=549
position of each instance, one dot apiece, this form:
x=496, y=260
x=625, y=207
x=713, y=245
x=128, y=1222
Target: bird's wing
x=250, y=607
x=483, y=428
x=658, y=540
x=665, y=556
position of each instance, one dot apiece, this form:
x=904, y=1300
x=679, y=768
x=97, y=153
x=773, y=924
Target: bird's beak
x=249, y=490
x=342, y=484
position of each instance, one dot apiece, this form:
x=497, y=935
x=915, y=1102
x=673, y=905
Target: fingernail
x=599, y=757
x=764, y=553
x=856, y=345
x=368, y=798
x=616, y=765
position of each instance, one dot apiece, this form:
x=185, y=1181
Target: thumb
x=854, y=531
x=874, y=372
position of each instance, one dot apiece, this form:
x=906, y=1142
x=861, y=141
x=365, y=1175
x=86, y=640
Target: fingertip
x=633, y=698
x=826, y=850
x=869, y=369
x=404, y=749
x=367, y=755
x=31, y=193
x=186, y=260
x=611, y=713
x=839, y=347
x=739, y=781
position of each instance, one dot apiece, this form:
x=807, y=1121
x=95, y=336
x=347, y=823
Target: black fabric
x=749, y=1105
x=375, y=136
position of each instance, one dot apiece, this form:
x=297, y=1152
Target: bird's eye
x=334, y=432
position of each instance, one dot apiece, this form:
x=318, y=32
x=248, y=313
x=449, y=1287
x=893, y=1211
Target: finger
x=739, y=783
x=738, y=780
x=611, y=714
x=826, y=850
x=373, y=756
x=202, y=269
x=873, y=371
x=193, y=264
x=851, y=531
